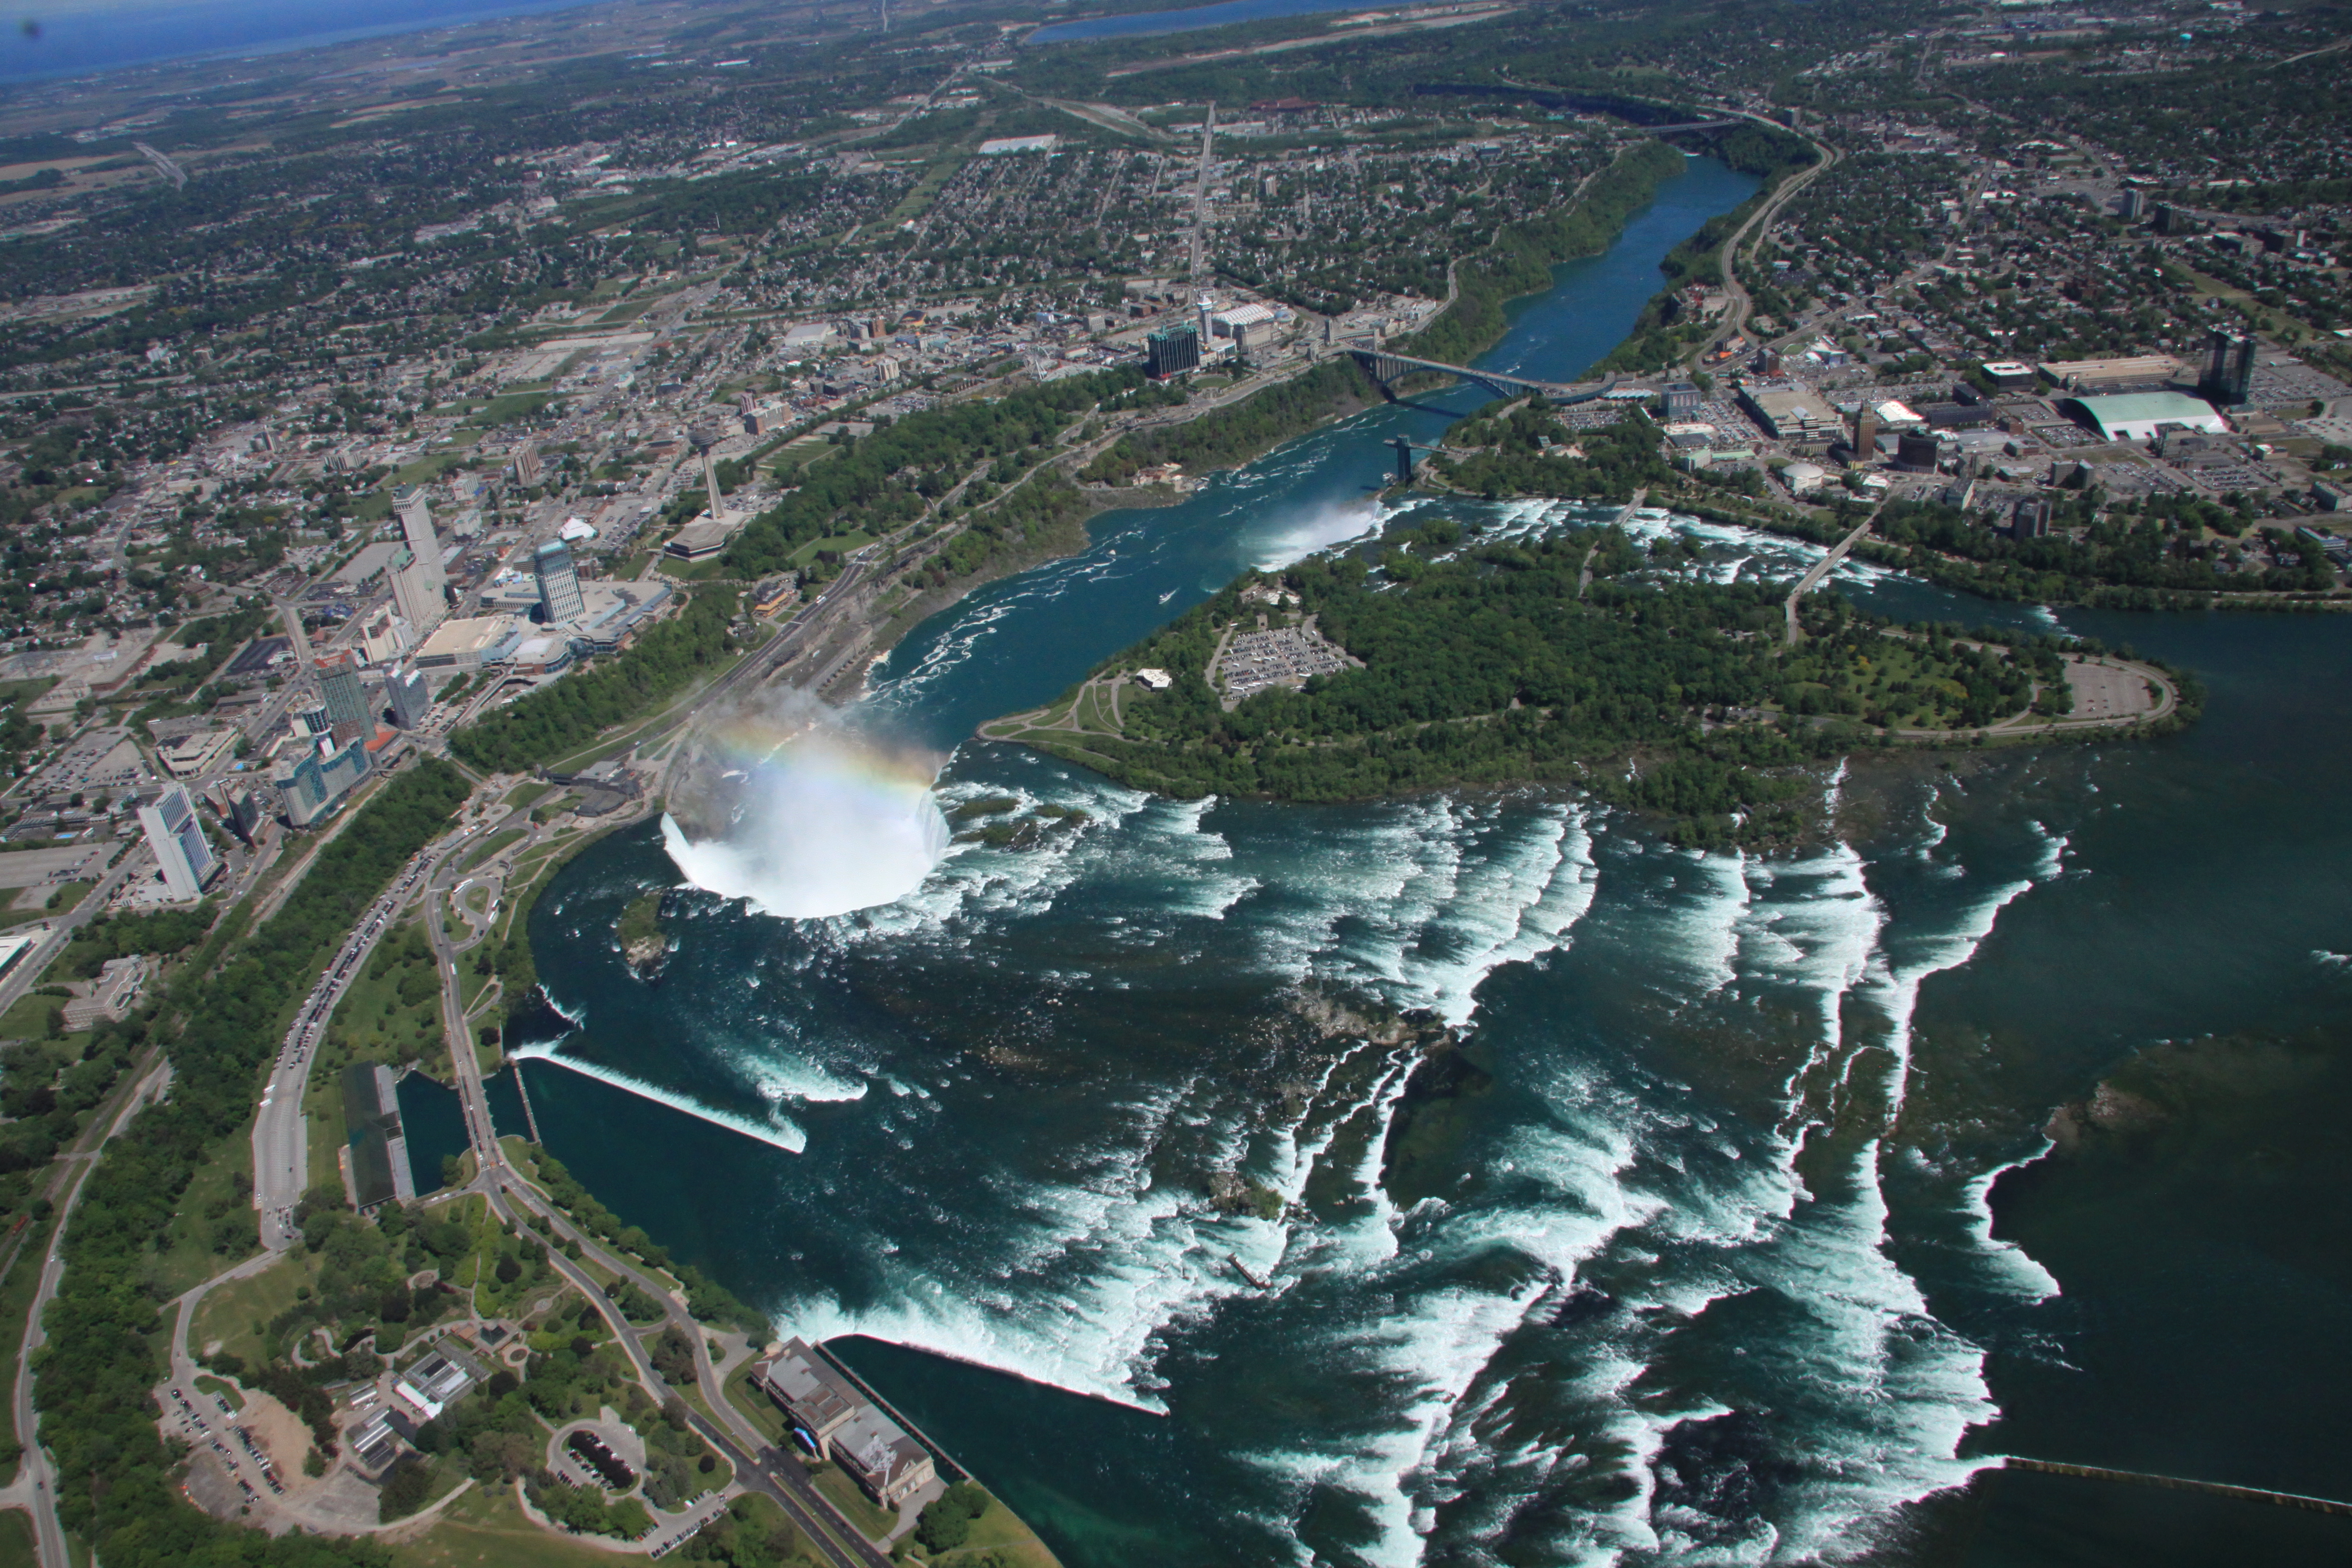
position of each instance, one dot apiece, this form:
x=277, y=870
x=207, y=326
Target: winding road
x=758, y=1464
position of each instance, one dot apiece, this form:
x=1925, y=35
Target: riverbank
x=1314, y=394
x=1443, y=655
x=1719, y=1080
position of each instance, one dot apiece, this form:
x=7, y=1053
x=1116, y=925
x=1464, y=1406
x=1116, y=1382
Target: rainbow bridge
x=1387, y=368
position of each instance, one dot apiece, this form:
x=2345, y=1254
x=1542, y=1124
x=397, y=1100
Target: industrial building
x=378, y=1168
x=834, y=1421
x=2098, y=375
x=471, y=643
x=1791, y=413
x=193, y=755
x=435, y=1383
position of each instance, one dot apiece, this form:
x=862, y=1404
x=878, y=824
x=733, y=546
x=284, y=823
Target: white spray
x=807, y=818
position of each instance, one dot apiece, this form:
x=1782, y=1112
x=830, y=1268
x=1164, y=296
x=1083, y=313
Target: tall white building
x=415, y=594
x=179, y=843
x=416, y=527
x=419, y=585
x=559, y=584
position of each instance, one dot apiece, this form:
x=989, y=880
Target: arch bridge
x=1387, y=368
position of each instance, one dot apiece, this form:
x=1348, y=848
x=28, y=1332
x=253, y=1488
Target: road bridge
x=1387, y=367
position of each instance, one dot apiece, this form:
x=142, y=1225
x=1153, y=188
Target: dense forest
x=887, y=479
x=1523, y=450
x=1496, y=663
x=2125, y=556
x=1239, y=431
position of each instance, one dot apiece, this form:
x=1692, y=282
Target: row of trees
x=557, y=719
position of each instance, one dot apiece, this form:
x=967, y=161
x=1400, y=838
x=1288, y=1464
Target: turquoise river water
x=1700, y=1264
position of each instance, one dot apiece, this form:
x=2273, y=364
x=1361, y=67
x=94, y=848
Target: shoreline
x=890, y=633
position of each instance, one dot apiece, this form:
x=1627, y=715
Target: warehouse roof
x=2134, y=416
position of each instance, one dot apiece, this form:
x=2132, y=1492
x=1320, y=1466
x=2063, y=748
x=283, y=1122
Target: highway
x=22, y=975
x=281, y=1133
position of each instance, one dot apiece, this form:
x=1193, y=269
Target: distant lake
x=1144, y=23
x=82, y=42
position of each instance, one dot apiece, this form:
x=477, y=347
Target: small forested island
x=1437, y=656
x=645, y=946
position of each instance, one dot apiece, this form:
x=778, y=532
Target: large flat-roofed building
x=471, y=643
x=191, y=754
x=1792, y=412
x=2097, y=375
x=2135, y=417
x=703, y=537
x=837, y=1422
x=611, y=614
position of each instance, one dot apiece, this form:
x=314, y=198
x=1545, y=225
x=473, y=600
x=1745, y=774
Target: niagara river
x=1735, y=1226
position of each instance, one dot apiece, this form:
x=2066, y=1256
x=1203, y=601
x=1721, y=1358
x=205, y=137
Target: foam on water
x=778, y=1133
x=2012, y=1264
x=1083, y=1285
x=825, y=822
x=1284, y=541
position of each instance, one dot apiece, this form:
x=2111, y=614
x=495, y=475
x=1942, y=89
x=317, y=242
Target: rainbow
x=823, y=821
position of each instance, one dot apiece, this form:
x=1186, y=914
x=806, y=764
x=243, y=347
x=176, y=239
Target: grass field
x=747, y=1397
x=1001, y=1529
x=843, y=1494
x=236, y=1314
x=29, y=1019
x=509, y=407
x=496, y=841
x=16, y=1539
x=24, y=691
x=486, y=1528
x=215, y=1225
x=842, y=543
